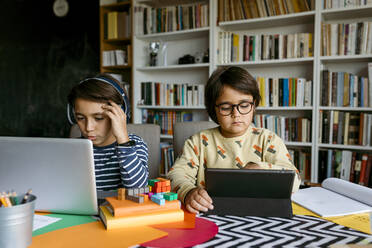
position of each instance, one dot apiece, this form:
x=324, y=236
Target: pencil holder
x=16, y=224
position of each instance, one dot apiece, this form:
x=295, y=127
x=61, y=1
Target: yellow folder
x=144, y=219
x=360, y=222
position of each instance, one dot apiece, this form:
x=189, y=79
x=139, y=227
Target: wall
x=41, y=57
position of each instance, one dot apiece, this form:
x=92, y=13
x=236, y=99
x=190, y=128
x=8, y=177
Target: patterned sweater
x=121, y=166
x=210, y=149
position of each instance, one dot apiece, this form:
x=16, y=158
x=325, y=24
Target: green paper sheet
x=67, y=220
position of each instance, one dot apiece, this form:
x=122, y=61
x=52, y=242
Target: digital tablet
x=250, y=192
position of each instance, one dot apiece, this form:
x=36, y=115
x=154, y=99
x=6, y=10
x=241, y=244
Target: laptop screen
x=60, y=172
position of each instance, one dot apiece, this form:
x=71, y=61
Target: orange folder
x=127, y=207
x=94, y=235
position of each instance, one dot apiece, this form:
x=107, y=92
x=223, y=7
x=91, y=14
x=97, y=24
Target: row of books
x=285, y=92
x=171, y=18
x=166, y=157
x=347, y=128
x=343, y=89
x=334, y=4
x=125, y=85
x=172, y=94
x=234, y=47
x=289, y=129
x=117, y=25
x=231, y=10
x=302, y=160
x=350, y=166
x=346, y=38
x=116, y=57
x=165, y=119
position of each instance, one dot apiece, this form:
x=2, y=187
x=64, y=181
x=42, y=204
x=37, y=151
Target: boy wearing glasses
x=231, y=97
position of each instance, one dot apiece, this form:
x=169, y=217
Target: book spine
x=363, y=168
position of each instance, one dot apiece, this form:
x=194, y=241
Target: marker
x=10, y=196
x=14, y=198
x=2, y=199
x=8, y=202
x=5, y=200
x=25, y=198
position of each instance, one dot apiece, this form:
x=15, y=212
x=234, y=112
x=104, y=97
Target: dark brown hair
x=95, y=90
x=237, y=78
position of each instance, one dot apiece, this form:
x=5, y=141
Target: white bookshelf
x=176, y=35
x=178, y=43
x=298, y=144
x=348, y=147
x=356, y=64
x=184, y=42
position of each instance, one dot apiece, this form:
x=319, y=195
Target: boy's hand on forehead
x=118, y=121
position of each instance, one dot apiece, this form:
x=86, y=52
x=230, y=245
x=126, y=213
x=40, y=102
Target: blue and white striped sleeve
x=133, y=161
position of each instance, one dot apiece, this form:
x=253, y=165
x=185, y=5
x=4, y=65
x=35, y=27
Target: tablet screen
x=249, y=183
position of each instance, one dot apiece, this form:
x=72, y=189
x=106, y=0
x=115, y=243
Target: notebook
x=60, y=172
x=250, y=192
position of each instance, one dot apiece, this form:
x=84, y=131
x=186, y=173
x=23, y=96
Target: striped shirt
x=121, y=166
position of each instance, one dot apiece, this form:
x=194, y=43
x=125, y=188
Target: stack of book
x=165, y=118
x=237, y=10
x=152, y=20
x=116, y=213
x=172, y=94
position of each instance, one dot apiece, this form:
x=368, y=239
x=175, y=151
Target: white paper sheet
x=328, y=203
x=42, y=221
x=351, y=190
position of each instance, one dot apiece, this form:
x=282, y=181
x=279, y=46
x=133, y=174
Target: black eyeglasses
x=227, y=108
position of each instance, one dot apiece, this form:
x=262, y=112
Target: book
x=335, y=197
x=163, y=168
x=329, y=163
x=358, y=166
x=322, y=173
x=337, y=163
x=370, y=81
x=325, y=88
x=354, y=129
x=346, y=128
x=127, y=208
x=253, y=8
x=335, y=127
x=140, y=219
x=352, y=169
x=369, y=170
x=346, y=165
x=363, y=170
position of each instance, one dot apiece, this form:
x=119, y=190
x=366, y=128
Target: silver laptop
x=60, y=172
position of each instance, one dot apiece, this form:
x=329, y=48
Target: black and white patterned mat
x=300, y=231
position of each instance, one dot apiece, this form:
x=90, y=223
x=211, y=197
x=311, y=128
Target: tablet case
x=240, y=192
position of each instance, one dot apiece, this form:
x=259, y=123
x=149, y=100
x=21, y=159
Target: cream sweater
x=209, y=148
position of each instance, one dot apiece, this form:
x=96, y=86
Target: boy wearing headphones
x=101, y=108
